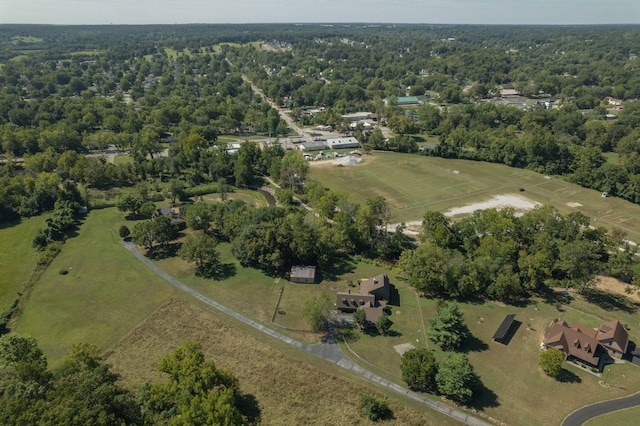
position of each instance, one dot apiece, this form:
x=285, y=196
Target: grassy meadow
x=413, y=184
x=105, y=293
x=17, y=257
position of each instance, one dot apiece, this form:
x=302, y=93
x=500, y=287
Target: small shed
x=303, y=274
x=504, y=329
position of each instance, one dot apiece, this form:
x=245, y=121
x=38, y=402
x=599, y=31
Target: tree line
x=85, y=390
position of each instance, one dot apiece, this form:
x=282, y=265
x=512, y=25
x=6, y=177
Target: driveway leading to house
x=329, y=351
x=582, y=415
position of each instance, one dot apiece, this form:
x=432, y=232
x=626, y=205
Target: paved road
x=328, y=351
x=581, y=415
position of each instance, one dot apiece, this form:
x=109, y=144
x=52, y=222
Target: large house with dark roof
x=593, y=346
x=369, y=298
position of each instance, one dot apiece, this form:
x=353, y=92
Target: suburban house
x=370, y=298
x=593, y=346
x=174, y=214
x=303, y=274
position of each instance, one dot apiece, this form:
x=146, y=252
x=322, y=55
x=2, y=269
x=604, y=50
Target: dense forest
x=171, y=96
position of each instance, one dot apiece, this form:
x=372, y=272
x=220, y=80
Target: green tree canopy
x=317, y=312
x=200, y=248
x=456, y=378
x=419, y=368
x=82, y=391
x=551, y=362
x=448, y=329
x=195, y=393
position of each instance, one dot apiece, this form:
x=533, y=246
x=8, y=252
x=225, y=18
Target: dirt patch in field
x=288, y=390
x=404, y=347
x=519, y=203
x=613, y=285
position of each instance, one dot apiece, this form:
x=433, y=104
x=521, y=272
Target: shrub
x=63, y=271
x=124, y=232
x=375, y=409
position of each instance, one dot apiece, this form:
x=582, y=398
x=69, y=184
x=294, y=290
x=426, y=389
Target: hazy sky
x=267, y=11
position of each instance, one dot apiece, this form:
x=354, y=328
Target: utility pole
x=604, y=382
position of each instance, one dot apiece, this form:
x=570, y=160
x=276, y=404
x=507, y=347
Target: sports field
x=413, y=184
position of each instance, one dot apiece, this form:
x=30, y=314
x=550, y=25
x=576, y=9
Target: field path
x=328, y=351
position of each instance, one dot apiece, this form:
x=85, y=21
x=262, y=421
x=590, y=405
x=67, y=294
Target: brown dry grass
x=613, y=285
x=288, y=390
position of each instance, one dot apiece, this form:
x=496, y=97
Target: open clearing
x=413, y=184
x=288, y=390
x=17, y=257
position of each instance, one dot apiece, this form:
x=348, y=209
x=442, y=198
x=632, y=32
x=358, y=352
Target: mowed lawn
x=413, y=184
x=17, y=257
x=106, y=293
x=516, y=391
x=254, y=294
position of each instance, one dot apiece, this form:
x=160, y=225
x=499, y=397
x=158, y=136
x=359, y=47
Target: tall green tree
x=419, y=368
x=317, y=312
x=447, y=329
x=200, y=248
x=456, y=378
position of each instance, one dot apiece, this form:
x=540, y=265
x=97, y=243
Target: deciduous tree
x=551, y=362
x=200, y=248
x=456, y=378
x=447, y=329
x=419, y=368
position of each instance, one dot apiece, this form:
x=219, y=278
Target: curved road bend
x=582, y=415
x=328, y=351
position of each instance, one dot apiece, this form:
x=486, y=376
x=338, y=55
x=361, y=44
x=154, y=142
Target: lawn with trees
x=174, y=103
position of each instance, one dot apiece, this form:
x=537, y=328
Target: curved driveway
x=582, y=415
x=328, y=351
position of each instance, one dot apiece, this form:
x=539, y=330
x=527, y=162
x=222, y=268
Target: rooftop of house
x=371, y=285
x=585, y=342
x=303, y=272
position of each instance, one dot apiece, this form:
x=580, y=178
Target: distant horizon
x=612, y=24
x=384, y=12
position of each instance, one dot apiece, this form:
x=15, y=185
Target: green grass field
x=514, y=386
x=106, y=292
x=413, y=184
x=17, y=257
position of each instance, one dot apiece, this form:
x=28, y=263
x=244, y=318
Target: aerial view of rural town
x=252, y=223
